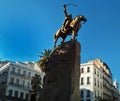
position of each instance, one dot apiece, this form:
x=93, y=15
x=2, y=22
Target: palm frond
x=44, y=58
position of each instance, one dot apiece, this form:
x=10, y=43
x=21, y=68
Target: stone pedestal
x=75, y=74
x=61, y=82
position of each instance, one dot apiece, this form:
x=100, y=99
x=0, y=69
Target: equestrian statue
x=70, y=26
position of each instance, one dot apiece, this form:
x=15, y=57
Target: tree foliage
x=44, y=58
x=36, y=83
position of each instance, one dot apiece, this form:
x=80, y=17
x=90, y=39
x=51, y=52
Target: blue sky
x=27, y=28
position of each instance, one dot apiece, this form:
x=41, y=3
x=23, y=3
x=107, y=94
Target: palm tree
x=36, y=86
x=36, y=83
x=44, y=58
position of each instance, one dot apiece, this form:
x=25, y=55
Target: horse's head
x=82, y=18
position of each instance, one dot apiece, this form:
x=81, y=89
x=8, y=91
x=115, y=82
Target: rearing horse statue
x=73, y=29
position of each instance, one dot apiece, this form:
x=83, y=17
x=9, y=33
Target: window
x=29, y=74
x=88, y=93
x=98, y=83
x=24, y=73
x=98, y=73
x=95, y=94
x=82, y=81
x=12, y=80
x=95, y=81
x=23, y=83
x=88, y=69
x=19, y=71
x=82, y=70
x=82, y=94
x=16, y=94
x=13, y=69
x=26, y=96
x=21, y=95
x=10, y=92
x=28, y=84
x=88, y=80
x=95, y=70
x=17, y=81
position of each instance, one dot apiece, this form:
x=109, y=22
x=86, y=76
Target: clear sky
x=27, y=28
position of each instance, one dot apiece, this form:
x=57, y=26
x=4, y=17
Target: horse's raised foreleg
x=56, y=36
x=63, y=38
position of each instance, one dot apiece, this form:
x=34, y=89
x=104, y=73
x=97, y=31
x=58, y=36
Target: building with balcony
x=116, y=93
x=95, y=81
x=15, y=80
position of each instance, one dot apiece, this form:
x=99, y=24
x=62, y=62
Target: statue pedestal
x=61, y=82
x=75, y=74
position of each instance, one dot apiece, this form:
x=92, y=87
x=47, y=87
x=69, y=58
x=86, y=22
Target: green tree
x=44, y=58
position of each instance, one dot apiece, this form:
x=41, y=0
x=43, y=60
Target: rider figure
x=68, y=19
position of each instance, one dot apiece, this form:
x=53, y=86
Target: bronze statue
x=70, y=26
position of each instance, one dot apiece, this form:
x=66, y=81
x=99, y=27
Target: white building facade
x=15, y=80
x=95, y=81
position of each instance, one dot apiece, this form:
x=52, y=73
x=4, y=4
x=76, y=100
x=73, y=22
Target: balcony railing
x=105, y=86
x=19, y=86
x=20, y=75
